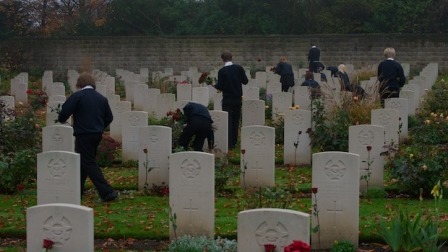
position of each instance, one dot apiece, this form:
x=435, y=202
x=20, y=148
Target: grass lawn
x=140, y=216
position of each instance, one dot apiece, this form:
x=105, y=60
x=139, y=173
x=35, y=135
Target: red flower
x=314, y=190
x=20, y=187
x=243, y=151
x=29, y=91
x=369, y=148
x=145, y=150
x=184, y=82
x=48, y=244
x=269, y=247
x=297, y=246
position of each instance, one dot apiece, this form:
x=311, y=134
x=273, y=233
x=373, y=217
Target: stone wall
x=158, y=53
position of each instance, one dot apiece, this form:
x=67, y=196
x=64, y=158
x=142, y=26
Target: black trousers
x=86, y=145
x=388, y=92
x=199, y=128
x=233, y=108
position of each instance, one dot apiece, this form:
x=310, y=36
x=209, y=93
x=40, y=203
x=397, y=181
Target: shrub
x=24, y=132
x=418, y=166
x=330, y=132
x=107, y=151
x=189, y=243
x=17, y=168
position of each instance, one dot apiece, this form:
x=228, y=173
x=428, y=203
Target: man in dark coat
x=231, y=77
x=91, y=116
x=199, y=126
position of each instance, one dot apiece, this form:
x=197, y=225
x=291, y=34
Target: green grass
x=147, y=217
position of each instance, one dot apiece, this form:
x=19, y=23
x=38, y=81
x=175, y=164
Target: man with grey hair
x=390, y=76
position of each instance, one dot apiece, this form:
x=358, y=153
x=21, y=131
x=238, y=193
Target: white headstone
x=165, y=103
x=69, y=226
x=261, y=79
x=258, y=162
x=58, y=177
x=253, y=112
x=192, y=193
x=336, y=176
x=151, y=102
x=281, y=102
x=220, y=126
x=297, y=148
x=400, y=104
x=217, y=101
x=58, y=138
x=200, y=95
x=118, y=108
x=153, y=165
x=140, y=95
x=279, y=227
x=51, y=115
x=131, y=121
x=368, y=142
x=389, y=119
x=184, y=92
x=251, y=93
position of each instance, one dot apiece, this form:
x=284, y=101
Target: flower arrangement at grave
x=176, y=120
x=206, y=78
x=297, y=246
x=38, y=98
x=47, y=245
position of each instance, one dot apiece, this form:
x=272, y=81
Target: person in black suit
x=390, y=76
x=91, y=116
x=284, y=69
x=230, y=80
x=314, y=58
x=199, y=126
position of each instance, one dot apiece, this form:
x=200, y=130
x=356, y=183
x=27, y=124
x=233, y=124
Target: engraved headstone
x=336, y=176
x=192, y=193
x=69, y=226
x=58, y=138
x=297, y=148
x=131, y=121
x=58, y=177
x=279, y=227
x=258, y=161
x=153, y=163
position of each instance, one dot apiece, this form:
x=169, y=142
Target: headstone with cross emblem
x=58, y=176
x=192, y=193
x=253, y=112
x=336, y=176
x=131, y=121
x=280, y=227
x=155, y=148
x=390, y=120
x=367, y=141
x=69, y=227
x=400, y=104
x=297, y=148
x=257, y=162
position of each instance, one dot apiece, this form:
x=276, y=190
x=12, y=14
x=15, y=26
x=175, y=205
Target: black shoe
x=110, y=197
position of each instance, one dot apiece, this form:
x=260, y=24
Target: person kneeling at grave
x=312, y=85
x=199, y=126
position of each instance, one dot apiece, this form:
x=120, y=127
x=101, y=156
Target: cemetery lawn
x=143, y=217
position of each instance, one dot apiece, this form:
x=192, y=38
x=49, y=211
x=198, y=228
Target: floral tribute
x=47, y=244
x=205, y=77
x=269, y=247
x=298, y=246
x=38, y=98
